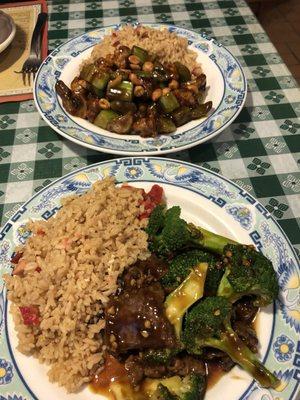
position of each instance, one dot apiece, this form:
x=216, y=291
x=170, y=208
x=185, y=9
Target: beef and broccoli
x=184, y=311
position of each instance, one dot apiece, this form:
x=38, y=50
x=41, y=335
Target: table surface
x=260, y=151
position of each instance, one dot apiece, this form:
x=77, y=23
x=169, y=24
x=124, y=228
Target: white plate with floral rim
x=207, y=199
x=226, y=88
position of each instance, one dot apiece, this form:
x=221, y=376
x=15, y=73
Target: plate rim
x=143, y=152
x=275, y=308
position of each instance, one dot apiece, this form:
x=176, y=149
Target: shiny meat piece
x=185, y=97
x=146, y=126
x=74, y=104
x=186, y=365
x=244, y=310
x=93, y=108
x=136, y=320
x=144, y=272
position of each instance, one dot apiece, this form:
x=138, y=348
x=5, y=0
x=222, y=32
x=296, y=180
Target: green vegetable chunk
x=160, y=356
x=248, y=272
x=100, y=81
x=168, y=102
x=183, y=72
x=201, y=111
x=140, y=53
x=181, y=116
x=186, y=294
x=104, y=118
x=87, y=72
x=165, y=125
x=122, y=92
x=208, y=325
x=191, y=387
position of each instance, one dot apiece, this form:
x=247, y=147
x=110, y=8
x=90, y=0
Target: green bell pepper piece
x=201, y=110
x=183, y=72
x=181, y=116
x=165, y=125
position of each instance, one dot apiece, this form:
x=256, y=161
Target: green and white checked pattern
x=260, y=151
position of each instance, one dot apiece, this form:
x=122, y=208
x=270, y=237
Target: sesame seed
x=145, y=334
x=112, y=338
x=217, y=312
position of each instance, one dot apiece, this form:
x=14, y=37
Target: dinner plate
x=207, y=199
x=226, y=88
x=7, y=30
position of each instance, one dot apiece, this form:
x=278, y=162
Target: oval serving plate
x=226, y=88
x=207, y=199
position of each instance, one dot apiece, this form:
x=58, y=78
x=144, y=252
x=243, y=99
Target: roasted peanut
x=134, y=79
x=115, y=82
x=148, y=66
x=156, y=94
x=166, y=90
x=139, y=91
x=134, y=59
x=173, y=84
x=104, y=104
x=135, y=66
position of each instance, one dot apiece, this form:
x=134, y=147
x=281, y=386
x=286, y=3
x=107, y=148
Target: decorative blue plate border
x=283, y=350
x=234, y=95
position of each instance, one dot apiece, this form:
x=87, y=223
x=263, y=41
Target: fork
x=31, y=65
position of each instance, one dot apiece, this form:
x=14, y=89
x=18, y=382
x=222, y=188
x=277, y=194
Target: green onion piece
x=201, y=110
x=140, y=53
x=122, y=92
x=183, y=72
x=165, y=125
x=181, y=116
x=87, y=72
x=104, y=118
x=100, y=81
x=168, y=102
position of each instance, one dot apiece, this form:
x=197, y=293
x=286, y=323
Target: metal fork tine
x=29, y=76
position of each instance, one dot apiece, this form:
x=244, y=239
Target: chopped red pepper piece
x=30, y=315
x=40, y=232
x=16, y=257
x=151, y=200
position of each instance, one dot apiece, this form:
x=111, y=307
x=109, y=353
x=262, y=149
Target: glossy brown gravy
x=101, y=384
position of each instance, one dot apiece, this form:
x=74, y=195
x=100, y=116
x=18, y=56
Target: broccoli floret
x=160, y=356
x=181, y=266
x=208, y=325
x=171, y=234
x=187, y=293
x=191, y=387
x=163, y=393
x=248, y=272
x=156, y=220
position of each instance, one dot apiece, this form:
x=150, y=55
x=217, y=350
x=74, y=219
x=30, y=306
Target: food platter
x=207, y=199
x=7, y=30
x=226, y=88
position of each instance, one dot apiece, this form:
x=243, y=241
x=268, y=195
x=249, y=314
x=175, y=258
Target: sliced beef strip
x=136, y=320
x=144, y=272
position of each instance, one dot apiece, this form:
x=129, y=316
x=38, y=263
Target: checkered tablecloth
x=260, y=151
